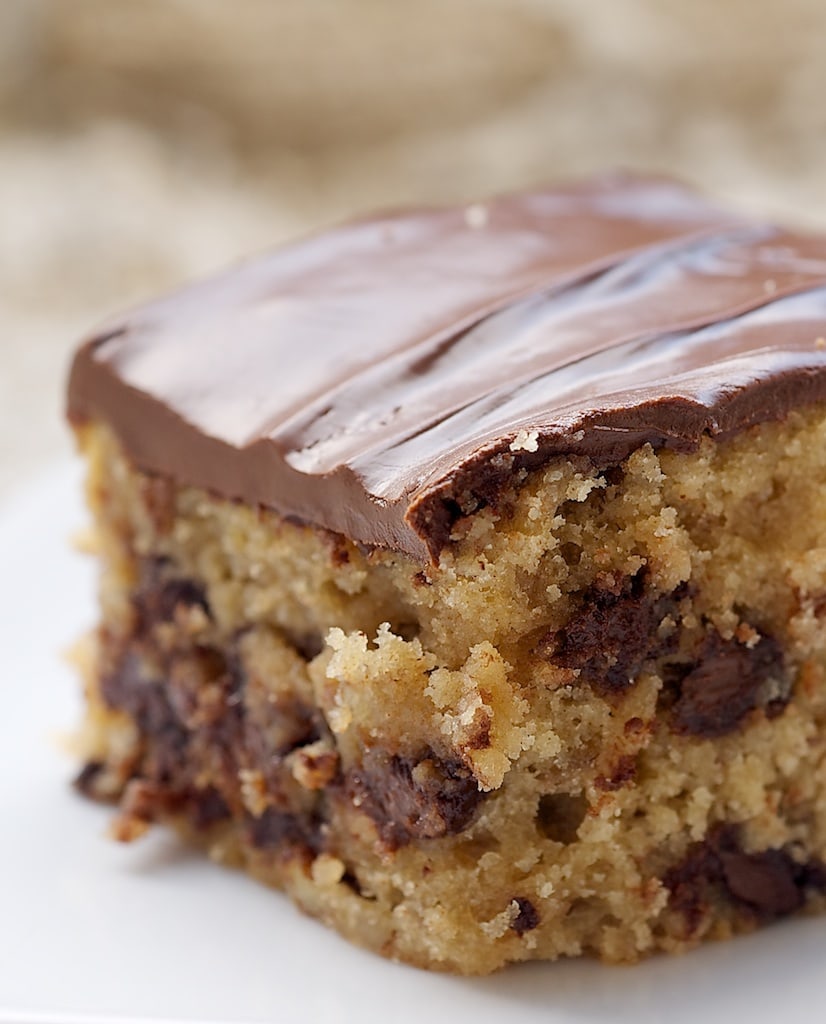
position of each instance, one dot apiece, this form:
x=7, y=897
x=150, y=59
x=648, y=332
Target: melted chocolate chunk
x=158, y=595
x=202, y=721
x=389, y=376
x=415, y=798
x=272, y=727
x=765, y=885
x=279, y=728
x=615, y=631
x=528, y=917
x=192, y=718
x=133, y=688
x=149, y=799
x=276, y=829
x=207, y=808
x=159, y=592
x=768, y=881
x=198, y=684
x=727, y=681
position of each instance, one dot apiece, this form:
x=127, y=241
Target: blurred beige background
x=142, y=143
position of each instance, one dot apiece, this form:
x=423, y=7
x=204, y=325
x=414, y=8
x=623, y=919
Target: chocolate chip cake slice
x=464, y=573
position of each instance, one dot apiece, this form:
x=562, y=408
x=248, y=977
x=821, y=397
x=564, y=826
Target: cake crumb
x=253, y=791
x=327, y=870
x=315, y=765
x=525, y=441
x=502, y=923
x=126, y=828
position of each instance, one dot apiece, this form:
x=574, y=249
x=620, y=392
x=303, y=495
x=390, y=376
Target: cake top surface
x=390, y=375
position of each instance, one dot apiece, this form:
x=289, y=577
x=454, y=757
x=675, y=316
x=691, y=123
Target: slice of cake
x=464, y=573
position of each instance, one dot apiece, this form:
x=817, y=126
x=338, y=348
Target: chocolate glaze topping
x=386, y=377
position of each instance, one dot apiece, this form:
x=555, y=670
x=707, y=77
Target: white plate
x=94, y=931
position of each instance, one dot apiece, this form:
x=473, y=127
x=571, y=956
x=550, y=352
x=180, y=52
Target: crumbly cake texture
x=564, y=692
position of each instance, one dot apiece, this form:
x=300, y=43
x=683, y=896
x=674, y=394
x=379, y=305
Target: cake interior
x=597, y=726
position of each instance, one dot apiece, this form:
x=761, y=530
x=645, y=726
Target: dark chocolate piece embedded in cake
x=464, y=573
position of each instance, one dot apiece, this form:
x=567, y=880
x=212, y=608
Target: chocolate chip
x=149, y=800
x=767, y=884
x=273, y=726
x=691, y=884
x=202, y=720
x=166, y=758
x=131, y=686
x=207, y=808
x=812, y=875
x=276, y=829
x=726, y=682
x=528, y=917
x=765, y=881
x=198, y=683
x=422, y=797
x=614, y=632
x=158, y=595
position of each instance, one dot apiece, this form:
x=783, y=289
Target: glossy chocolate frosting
x=390, y=375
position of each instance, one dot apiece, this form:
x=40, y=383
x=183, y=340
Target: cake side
x=596, y=726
